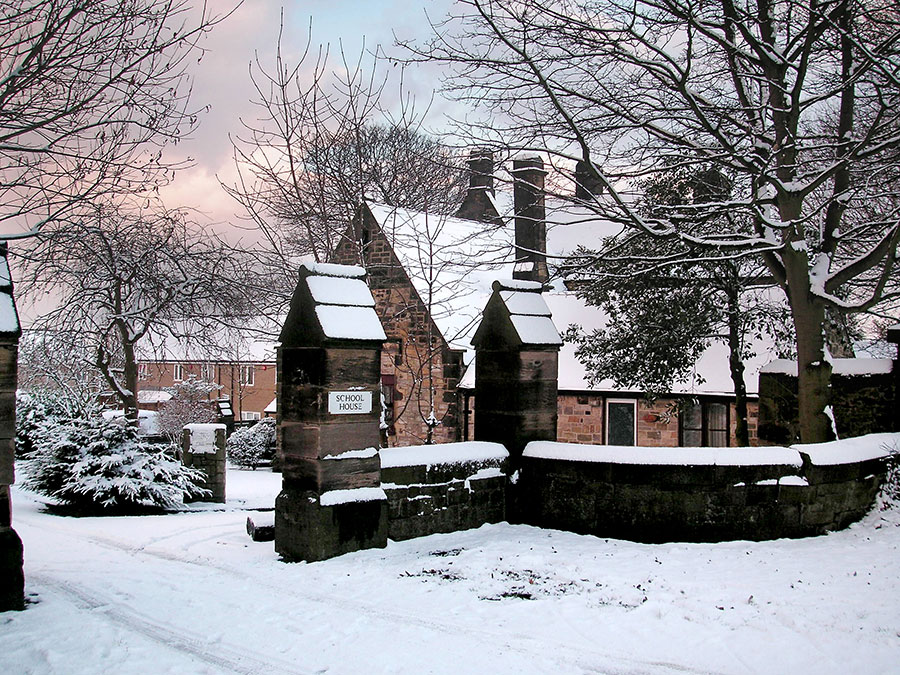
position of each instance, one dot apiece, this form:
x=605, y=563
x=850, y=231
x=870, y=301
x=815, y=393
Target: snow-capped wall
x=701, y=494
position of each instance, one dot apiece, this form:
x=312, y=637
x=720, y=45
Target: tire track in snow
x=584, y=659
x=242, y=661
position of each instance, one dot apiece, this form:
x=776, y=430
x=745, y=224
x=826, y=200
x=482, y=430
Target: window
x=704, y=424
x=620, y=417
x=247, y=376
x=143, y=371
x=247, y=416
x=207, y=372
x=178, y=372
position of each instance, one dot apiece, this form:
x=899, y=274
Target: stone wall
x=447, y=488
x=203, y=448
x=786, y=494
x=862, y=404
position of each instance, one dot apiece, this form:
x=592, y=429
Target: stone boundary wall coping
x=445, y=453
x=833, y=453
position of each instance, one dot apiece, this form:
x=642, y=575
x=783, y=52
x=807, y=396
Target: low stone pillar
x=203, y=447
x=329, y=410
x=12, y=577
x=516, y=368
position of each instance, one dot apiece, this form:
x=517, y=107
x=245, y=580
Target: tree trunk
x=129, y=400
x=736, y=364
x=813, y=369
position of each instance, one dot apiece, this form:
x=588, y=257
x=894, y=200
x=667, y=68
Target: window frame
x=704, y=405
x=606, y=426
x=177, y=372
x=247, y=375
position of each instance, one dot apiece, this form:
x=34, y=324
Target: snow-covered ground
x=191, y=593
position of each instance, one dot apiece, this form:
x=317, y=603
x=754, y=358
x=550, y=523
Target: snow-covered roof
x=858, y=366
x=245, y=344
x=451, y=262
x=710, y=376
x=344, y=306
x=331, y=302
x=153, y=396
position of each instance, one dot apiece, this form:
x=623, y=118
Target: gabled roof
x=517, y=316
x=331, y=303
x=451, y=263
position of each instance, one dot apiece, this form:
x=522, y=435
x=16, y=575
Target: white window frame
x=247, y=375
x=178, y=372
x=630, y=401
x=250, y=416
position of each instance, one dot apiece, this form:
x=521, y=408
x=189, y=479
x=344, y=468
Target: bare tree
x=319, y=146
x=124, y=274
x=90, y=92
x=795, y=101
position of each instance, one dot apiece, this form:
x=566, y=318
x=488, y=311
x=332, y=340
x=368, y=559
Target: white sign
x=349, y=402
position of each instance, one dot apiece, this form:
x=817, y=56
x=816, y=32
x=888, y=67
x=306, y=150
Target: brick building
x=244, y=374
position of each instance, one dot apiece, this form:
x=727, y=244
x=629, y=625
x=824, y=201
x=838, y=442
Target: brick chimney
x=531, y=225
x=478, y=203
x=587, y=185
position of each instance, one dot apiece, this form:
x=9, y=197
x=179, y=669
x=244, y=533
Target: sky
x=221, y=78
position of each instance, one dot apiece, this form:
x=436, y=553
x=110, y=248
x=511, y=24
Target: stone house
x=431, y=275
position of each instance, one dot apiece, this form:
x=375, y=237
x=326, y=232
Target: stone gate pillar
x=516, y=368
x=12, y=578
x=203, y=447
x=329, y=410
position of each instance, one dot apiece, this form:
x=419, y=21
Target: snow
x=272, y=408
x=362, y=494
x=340, y=291
x=9, y=318
x=148, y=420
x=350, y=323
x=444, y=453
x=332, y=270
x=618, y=454
x=191, y=593
x=535, y=330
x=847, y=367
x=153, y=396
x=531, y=304
x=516, y=285
x=849, y=450
x=203, y=437
x=353, y=454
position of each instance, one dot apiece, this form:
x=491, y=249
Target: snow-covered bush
x=97, y=464
x=35, y=412
x=252, y=446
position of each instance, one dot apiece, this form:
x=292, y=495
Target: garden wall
x=443, y=488
x=702, y=494
x=864, y=399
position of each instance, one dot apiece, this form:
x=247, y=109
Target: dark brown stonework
x=12, y=577
x=478, y=204
x=414, y=340
x=313, y=442
x=862, y=404
x=515, y=381
x=664, y=503
x=212, y=464
x=531, y=220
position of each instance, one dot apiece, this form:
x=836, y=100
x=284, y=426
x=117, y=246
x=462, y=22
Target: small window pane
x=717, y=425
x=620, y=423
